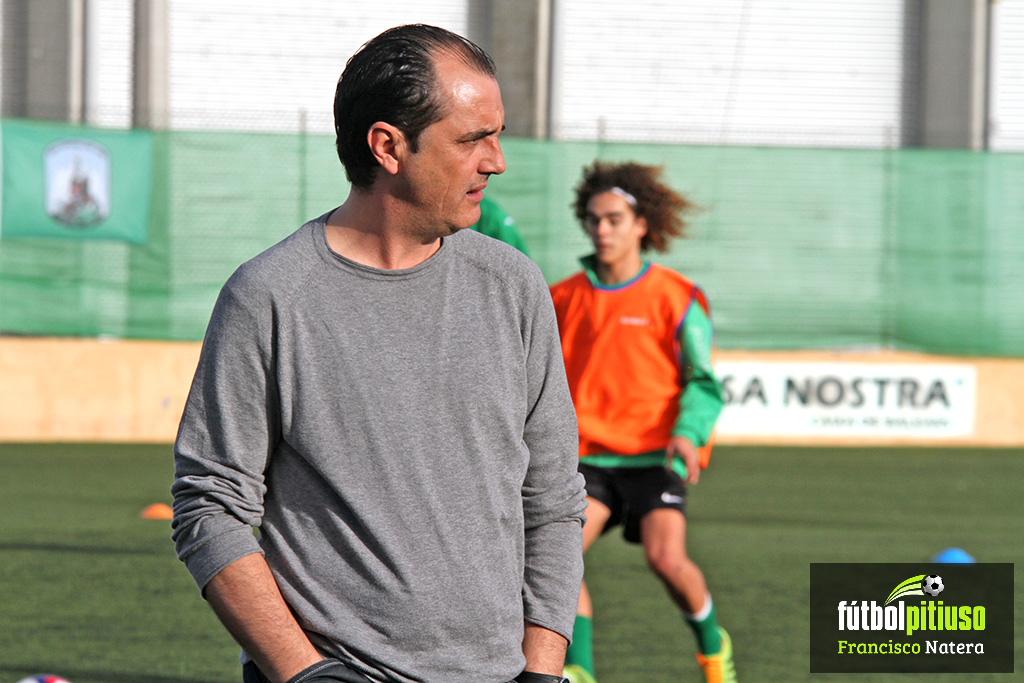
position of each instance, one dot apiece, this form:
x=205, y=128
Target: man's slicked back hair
x=392, y=78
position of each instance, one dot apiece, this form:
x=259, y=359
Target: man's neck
x=367, y=229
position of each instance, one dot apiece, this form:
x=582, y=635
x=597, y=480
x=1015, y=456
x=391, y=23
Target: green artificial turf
x=89, y=590
x=92, y=592
x=760, y=516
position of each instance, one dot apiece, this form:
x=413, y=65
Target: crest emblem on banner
x=77, y=183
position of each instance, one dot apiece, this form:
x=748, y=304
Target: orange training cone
x=157, y=511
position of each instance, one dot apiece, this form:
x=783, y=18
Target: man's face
x=446, y=177
x=614, y=228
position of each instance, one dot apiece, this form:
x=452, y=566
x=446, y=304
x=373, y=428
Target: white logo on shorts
x=671, y=499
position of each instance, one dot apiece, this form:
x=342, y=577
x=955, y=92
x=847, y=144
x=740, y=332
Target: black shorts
x=632, y=492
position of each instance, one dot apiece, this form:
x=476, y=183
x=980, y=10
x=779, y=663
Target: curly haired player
x=637, y=342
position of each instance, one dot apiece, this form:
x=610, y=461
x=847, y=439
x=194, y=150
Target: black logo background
x=989, y=585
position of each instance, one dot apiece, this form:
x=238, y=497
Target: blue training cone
x=953, y=556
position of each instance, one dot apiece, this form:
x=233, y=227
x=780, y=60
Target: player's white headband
x=630, y=199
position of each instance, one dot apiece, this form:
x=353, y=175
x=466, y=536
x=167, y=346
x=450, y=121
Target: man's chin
x=467, y=222
x=449, y=228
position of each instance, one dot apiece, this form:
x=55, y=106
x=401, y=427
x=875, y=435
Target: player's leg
x=579, y=658
x=663, y=533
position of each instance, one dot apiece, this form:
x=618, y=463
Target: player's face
x=614, y=228
x=447, y=174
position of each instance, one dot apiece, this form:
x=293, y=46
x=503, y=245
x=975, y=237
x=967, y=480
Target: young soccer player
x=637, y=342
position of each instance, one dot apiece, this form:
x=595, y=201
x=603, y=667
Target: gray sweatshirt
x=405, y=442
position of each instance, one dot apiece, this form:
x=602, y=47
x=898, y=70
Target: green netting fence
x=797, y=248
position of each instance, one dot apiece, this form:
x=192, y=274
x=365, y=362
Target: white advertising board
x=847, y=399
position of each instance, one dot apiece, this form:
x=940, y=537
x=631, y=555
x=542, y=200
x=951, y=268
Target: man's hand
x=684, y=448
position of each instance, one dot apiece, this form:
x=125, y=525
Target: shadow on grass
x=756, y=520
x=88, y=676
x=82, y=549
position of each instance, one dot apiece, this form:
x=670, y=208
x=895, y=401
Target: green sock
x=581, y=652
x=705, y=628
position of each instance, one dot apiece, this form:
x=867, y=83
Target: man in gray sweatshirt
x=382, y=395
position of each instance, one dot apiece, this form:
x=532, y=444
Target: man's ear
x=388, y=146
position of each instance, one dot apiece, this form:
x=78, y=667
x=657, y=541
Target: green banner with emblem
x=797, y=248
x=71, y=182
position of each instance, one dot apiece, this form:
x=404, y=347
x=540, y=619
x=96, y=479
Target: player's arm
x=682, y=447
x=246, y=599
x=700, y=401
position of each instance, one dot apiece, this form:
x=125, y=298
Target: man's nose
x=494, y=161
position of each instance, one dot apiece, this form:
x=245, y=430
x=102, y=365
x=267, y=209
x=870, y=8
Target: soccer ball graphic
x=932, y=585
x=43, y=678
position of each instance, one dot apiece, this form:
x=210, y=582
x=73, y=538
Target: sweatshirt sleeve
x=227, y=432
x=553, y=493
x=700, y=401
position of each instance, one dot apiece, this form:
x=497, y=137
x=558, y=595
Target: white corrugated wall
x=251, y=65
x=108, y=63
x=255, y=65
x=770, y=72
x=775, y=72
x=1006, y=89
x=3, y=75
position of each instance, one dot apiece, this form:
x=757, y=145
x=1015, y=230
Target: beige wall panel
x=1000, y=402
x=134, y=391
x=91, y=390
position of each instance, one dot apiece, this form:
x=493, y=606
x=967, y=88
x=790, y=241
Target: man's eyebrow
x=483, y=133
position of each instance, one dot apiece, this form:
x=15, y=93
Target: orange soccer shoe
x=719, y=668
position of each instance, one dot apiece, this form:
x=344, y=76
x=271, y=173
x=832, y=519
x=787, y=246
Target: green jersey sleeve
x=701, y=399
x=494, y=222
